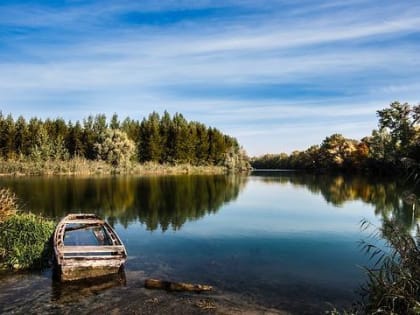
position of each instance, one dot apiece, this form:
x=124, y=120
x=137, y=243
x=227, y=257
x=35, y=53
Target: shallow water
x=282, y=240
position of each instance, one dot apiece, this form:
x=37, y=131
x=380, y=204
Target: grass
x=24, y=237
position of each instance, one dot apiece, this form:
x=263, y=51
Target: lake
x=284, y=240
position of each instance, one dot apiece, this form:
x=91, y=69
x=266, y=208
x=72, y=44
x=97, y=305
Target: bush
x=25, y=241
x=115, y=148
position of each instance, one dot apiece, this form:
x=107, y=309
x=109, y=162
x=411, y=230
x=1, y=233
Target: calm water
x=282, y=240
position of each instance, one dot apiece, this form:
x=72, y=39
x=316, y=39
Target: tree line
x=160, y=139
x=395, y=142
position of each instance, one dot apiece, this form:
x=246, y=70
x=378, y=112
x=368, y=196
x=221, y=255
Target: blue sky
x=277, y=75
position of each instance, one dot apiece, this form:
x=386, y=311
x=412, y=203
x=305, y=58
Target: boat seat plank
x=95, y=257
x=91, y=249
x=84, y=221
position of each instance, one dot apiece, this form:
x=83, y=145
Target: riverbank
x=79, y=166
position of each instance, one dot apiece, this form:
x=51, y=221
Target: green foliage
x=24, y=241
x=150, y=146
x=115, y=148
x=165, y=140
x=398, y=137
x=337, y=150
x=177, y=141
x=115, y=123
x=399, y=120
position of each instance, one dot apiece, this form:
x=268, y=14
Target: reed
x=81, y=166
x=8, y=204
x=393, y=285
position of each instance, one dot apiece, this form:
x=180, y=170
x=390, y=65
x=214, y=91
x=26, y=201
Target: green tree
x=132, y=128
x=202, y=144
x=88, y=138
x=7, y=135
x=312, y=157
x=167, y=138
x=74, y=140
x=59, y=150
x=183, y=143
x=337, y=151
x=21, y=136
x=380, y=146
x=42, y=148
x=217, y=146
x=400, y=120
x=115, y=123
x=150, y=146
x=115, y=148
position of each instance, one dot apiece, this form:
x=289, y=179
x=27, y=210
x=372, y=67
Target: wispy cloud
x=307, y=67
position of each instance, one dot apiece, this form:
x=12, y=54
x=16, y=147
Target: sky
x=277, y=75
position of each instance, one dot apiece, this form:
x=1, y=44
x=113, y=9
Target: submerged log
x=176, y=286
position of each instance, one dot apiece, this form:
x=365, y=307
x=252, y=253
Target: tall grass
x=81, y=166
x=393, y=285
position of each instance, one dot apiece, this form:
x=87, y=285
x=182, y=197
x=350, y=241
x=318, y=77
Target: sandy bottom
x=38, y=294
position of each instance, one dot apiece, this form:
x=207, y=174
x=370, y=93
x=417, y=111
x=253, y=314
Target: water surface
x=283, y=240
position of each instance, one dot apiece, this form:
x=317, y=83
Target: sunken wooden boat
x=86, y=246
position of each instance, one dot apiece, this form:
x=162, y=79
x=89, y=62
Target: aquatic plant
x=24, y=241
x=393, y=285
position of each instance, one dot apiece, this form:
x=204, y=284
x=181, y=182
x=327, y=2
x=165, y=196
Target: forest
x=160, y=139
x=392, y=146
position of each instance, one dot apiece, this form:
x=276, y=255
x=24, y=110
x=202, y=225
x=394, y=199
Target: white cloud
x=359, y=57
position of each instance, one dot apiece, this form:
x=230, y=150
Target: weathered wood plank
x=91, y=249
x=84, y=221
x=77, y=272
x=76, y=262
x=92, y=257
x=81, y=227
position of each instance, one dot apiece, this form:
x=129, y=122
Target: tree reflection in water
x=159, y=202
x=167, y=202
x=385, y=194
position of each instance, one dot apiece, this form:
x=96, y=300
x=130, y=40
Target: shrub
x=115, y=148
x=25, y=241
x=8, y=204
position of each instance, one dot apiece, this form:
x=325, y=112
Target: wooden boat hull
x=75, y=259
x=77, y=269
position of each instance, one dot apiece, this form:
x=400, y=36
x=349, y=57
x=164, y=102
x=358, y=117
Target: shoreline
x=83, y=167
x=38, y=294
